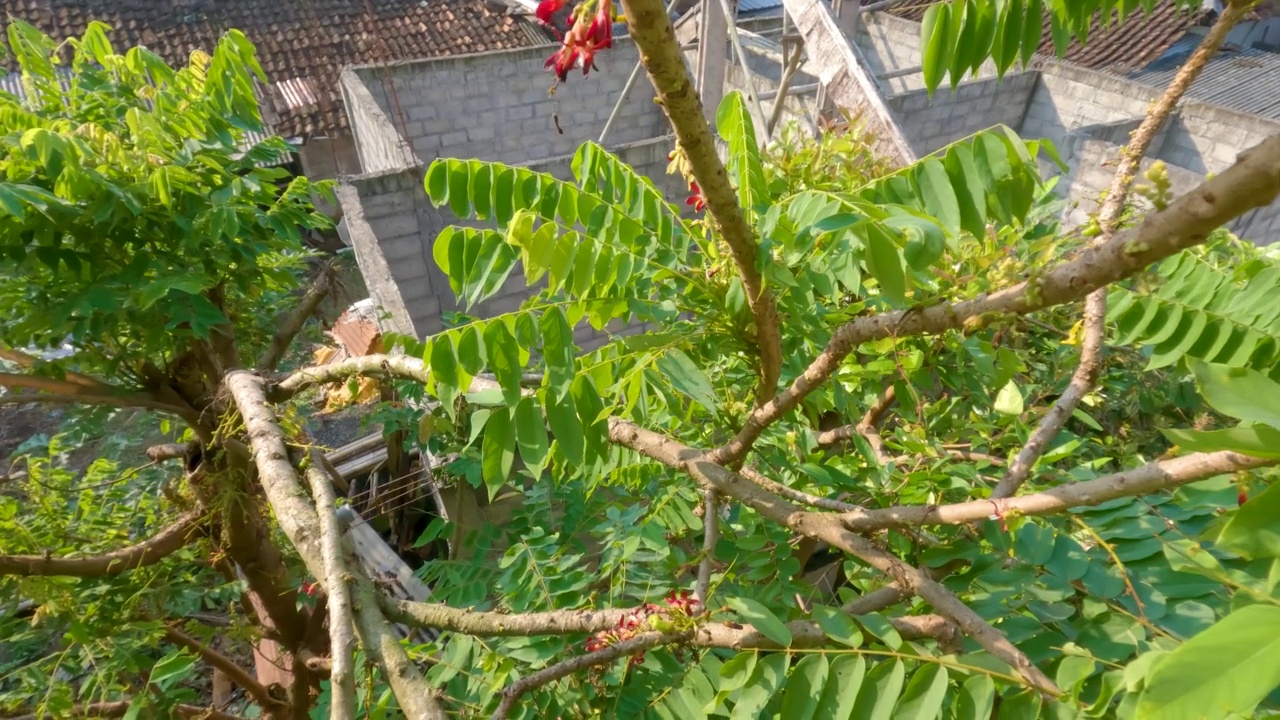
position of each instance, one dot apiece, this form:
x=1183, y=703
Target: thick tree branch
x=147, y=552
x=651, y=29
x=828, y=528
x=1253, y=181
x=1150, y=478
x=341, y=640
x=637, y=644
x=1093, y=335
x=238, y=675
x=291, y=323
x=806, y=634
x=298, y=518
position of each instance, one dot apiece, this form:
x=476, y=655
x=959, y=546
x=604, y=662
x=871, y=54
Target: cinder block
x=451, y=140
x=395, y=225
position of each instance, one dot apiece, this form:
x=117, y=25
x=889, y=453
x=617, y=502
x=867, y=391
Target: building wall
x=497, y=106
x=932, y=123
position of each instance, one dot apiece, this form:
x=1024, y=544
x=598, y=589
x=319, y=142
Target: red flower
x=1242, y=496
x=548, y=8
x=310, y=589
x=696, y=199
x=582, y=41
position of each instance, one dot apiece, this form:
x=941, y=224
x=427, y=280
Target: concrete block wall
x=496, y=106
x=378, y=144
x=932, y=123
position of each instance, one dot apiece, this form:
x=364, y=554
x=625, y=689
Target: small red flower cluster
x=681, y=608
x=310, y=589
x=695, y=198
x=582, y=40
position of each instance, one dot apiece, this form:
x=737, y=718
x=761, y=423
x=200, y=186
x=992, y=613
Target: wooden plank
x=767, y=47
x=843, y=73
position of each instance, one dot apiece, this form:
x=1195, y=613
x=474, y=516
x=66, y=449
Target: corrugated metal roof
x=750, y=6
x=1245, y=80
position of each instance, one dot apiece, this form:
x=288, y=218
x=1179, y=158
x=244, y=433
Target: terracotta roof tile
x=305, y=43
x=1113, y=47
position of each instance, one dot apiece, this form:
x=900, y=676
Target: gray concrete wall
x=496, y=106
x=378, y=142
x=932, y=123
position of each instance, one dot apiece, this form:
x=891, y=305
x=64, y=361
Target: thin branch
x=1150, y=478
x=49, y=390
x=380, y=366
x=20, y=358
x=651, y=29
x=806, y=634
x=792, y=494
x=118, y=708
x=169, y=451
x=827, y=528
x=868, y=427
x=291, y=323
x=710, y=535
x=1253, y=181
x=148, y=552
x=496, y=624
x=300, y=523
x=637, y=644
x=238, y=675
x=341, y=639
x=1085, y=377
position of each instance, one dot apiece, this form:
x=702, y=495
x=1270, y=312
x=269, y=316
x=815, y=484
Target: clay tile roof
x=302, y=44
x=1112, y=47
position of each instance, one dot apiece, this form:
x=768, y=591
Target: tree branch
x=710, y=535
x=1089, y=368
x=1253, y=181
x=807, y=634
x=792, y=494
x=341, y=640
x=256, y=690
x=147, y=552
x=828, y=528
x=651, y=29
x=496, y=624
x=23, y=359
x=1150, y=478
x=291, y=323
x=637, y=644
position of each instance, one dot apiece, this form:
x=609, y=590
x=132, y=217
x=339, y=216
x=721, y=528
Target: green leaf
x=1228, y=668
x=976, y=698
x=566, y=428
x=531, y=435
x=1254, y=530
x=922, y=699
x=688, y=378
x=939, y=197
x=885, y=263
x=172, y=667
x=557, y=349
x=804, y=687
x=733, y=123
x=498, y=451
x=879, y=626
x=1257, y=440
x=1009, y=400
x=838, y=625
x=880, y=691
x=504, y=359
x=735, y=672
x=762, y=618
x=1239, y=392
x=934, y=33
x=844, y=681
x=766, y=680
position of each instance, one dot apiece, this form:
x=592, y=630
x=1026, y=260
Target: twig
x=651, y=29
x=49, y=390
x=341, y=639
x=807, y=634
x=291, y=323
x=710, y=534
x=148, y=552
x=1092, y=341
x=1150, y=478
x=256, y=690
x=792, y=494
x=564, y=668
x=1253, y=181
x=118, y=708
